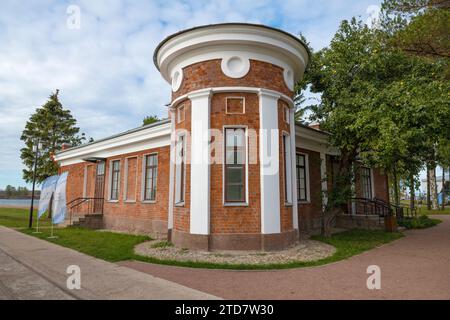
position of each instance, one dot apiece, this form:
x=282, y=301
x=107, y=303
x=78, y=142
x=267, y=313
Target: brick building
x=230, y=168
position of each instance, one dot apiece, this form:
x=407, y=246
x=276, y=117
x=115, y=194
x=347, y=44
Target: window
x=235, y=105
x=286, y=115
x=302, y=194
x=180, y=114
x=150, y=176
x=366, y=181
x=115, y=178
x=287, y=169
x=180, y=170
x=235, y=165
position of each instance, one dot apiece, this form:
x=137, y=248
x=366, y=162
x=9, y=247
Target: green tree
x=150, y=119
x=51, y=125
x=9, y=191
x=382, y=106
x=418, y=27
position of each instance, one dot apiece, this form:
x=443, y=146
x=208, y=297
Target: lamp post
x=30, y=224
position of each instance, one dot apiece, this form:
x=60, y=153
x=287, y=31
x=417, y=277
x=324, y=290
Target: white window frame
x=144, y=165
x=307, y=181
x=232, y=97
x=287, y=163
x=110, y=163
x=179, y=108
x=178, y=202
x=246, y=202
x=286, y=114
x=125, y=180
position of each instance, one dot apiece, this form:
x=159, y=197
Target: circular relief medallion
x=289, y=78
x=177, y=78
x=235, y=66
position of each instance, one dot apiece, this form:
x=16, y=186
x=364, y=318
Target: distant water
x=18, y=202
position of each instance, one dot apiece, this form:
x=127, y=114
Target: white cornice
x=248, y=42
x=139, y=140
x=259, y=91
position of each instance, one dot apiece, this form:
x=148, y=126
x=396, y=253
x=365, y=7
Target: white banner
x=47, y=189
x=59, y=200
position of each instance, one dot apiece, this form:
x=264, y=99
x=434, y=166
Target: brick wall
x=181, y=214
x=208, y=74
x=285, y=210
x=309, y=212
x=127, y=214
x=235, y=219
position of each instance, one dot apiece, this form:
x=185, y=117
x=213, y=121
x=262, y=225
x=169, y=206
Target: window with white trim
x=115, y=180
x=150, y=176
x=287, y=168
x=180, y=169
x=301, y=167
x=366, y=182
x=180, y=113
x=235, y=165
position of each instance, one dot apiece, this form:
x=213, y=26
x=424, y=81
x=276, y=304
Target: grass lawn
x=18, y=218
x=111, y=246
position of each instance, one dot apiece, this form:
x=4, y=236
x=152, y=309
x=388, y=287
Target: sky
x=103, y=65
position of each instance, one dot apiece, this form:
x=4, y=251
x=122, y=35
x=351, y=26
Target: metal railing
x=369, y=207
x=402, y=211
x=85, y=206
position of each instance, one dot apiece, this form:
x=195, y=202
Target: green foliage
x=52, y=126
x=150, y=119
x=418, y=27
x=418, y=223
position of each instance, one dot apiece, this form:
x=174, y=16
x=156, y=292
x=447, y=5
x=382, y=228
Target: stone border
x=305, y=251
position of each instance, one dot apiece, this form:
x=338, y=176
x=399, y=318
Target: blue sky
x=104, y=70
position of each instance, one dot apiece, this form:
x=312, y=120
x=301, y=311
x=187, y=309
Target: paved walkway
x=414, y=267
x=31, y=268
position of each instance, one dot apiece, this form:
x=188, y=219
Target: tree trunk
x=396, y=192
x=433, y=188
x=428, y=189
x=412, y=194
x=339, y=195
x=443, y=189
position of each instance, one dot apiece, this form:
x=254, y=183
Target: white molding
x=171, y=170
x=149, y=138
x=269, y=163
x=200, y=168
x=288, y=76
x=235, y=66
x=212, y=90
x=217, y=42
x=176, y=79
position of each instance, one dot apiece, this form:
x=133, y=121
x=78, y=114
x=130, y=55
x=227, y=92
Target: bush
x=418, y=223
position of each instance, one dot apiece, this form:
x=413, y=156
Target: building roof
x=155, y=54
x=152, y=125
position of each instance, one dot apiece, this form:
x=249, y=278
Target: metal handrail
x=81, y=200
x=375, y=207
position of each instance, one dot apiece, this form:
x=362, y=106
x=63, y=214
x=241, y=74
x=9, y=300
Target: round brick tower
x=232, y=176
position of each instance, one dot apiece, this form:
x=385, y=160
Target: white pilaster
x=200, y=169
x=171, y=169
x=323, y=178
x=269, y=162
x=294, y=169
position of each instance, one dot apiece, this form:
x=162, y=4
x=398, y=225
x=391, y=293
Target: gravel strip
x=306, y=250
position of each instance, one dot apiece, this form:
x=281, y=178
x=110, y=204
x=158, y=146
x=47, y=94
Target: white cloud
x=105, y=69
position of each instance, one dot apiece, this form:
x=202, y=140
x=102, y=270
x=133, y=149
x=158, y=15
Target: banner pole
x=37, y=225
